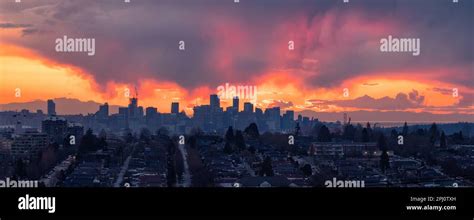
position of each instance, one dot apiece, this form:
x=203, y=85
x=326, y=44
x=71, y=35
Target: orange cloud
x=40, y=78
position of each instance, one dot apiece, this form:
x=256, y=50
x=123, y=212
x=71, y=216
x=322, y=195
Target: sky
x=336, y=64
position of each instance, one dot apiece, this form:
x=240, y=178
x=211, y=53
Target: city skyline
x=91, y=108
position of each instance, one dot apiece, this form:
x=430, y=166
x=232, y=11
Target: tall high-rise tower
x=51, y=107
x=235, y=103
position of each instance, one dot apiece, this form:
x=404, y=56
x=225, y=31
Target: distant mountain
x=389, y=116
x=64, y=106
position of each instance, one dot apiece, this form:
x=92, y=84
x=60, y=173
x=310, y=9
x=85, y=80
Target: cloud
x=415, y=98
x=280, y=103
x=370, y=84
x=401, y=101
x=467, y=100
x=228, y=42
x=12, y=25
x=443, y=91
x=28, y=31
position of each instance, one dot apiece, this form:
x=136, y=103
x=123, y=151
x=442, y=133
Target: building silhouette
x=55, y=127
x=235, y=103
x=174, y=107
x=51, y=107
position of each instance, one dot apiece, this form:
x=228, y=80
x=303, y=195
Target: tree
x=324, y=134
x=67, y=141
x=365, y=135
x=434, y=133
x=442, y=140
x=228, y=148
x=171, y=165
x=239, y=140
x=306, y=169
x=196, y=132
x=382, y=143
x=145, y=135
x=369, y=131
x=252, y=131
x=457, y=138
x=229, y=135
x=162, y=131
x=252, y=149
x=297, y=129
x=192, y=141
x=394, y=133
x=315, y=129
x=62, y=176
x=405, y=130
x=93, y=143
x=128, y=137
x=103, y=134
x=89, y=142
x=171, y=175
x=102, y=143
x=384, y=161
x=420, y=132
x=20, y=168
x=349, y=132
x=267, y=168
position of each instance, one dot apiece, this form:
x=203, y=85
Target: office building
x=248, y=107
x=55, y=127
x=235, y=103
x=175, y=107
x=215, y=102
x=51, y=108
x=29, y=144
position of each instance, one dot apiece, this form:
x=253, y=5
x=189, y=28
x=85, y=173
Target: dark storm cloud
x=140, y=39
x=466, y=100
x=443, y=91
x=401, y=101
x=29, y=31
x=280, y=103
x=12, y=25
x=445, y=31
x=414, y=97
x=370, y=84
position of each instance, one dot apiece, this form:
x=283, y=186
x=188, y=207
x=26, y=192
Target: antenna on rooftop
x=136, y=92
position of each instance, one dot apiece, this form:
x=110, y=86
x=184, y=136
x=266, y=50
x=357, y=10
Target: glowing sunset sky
x=336, y=47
